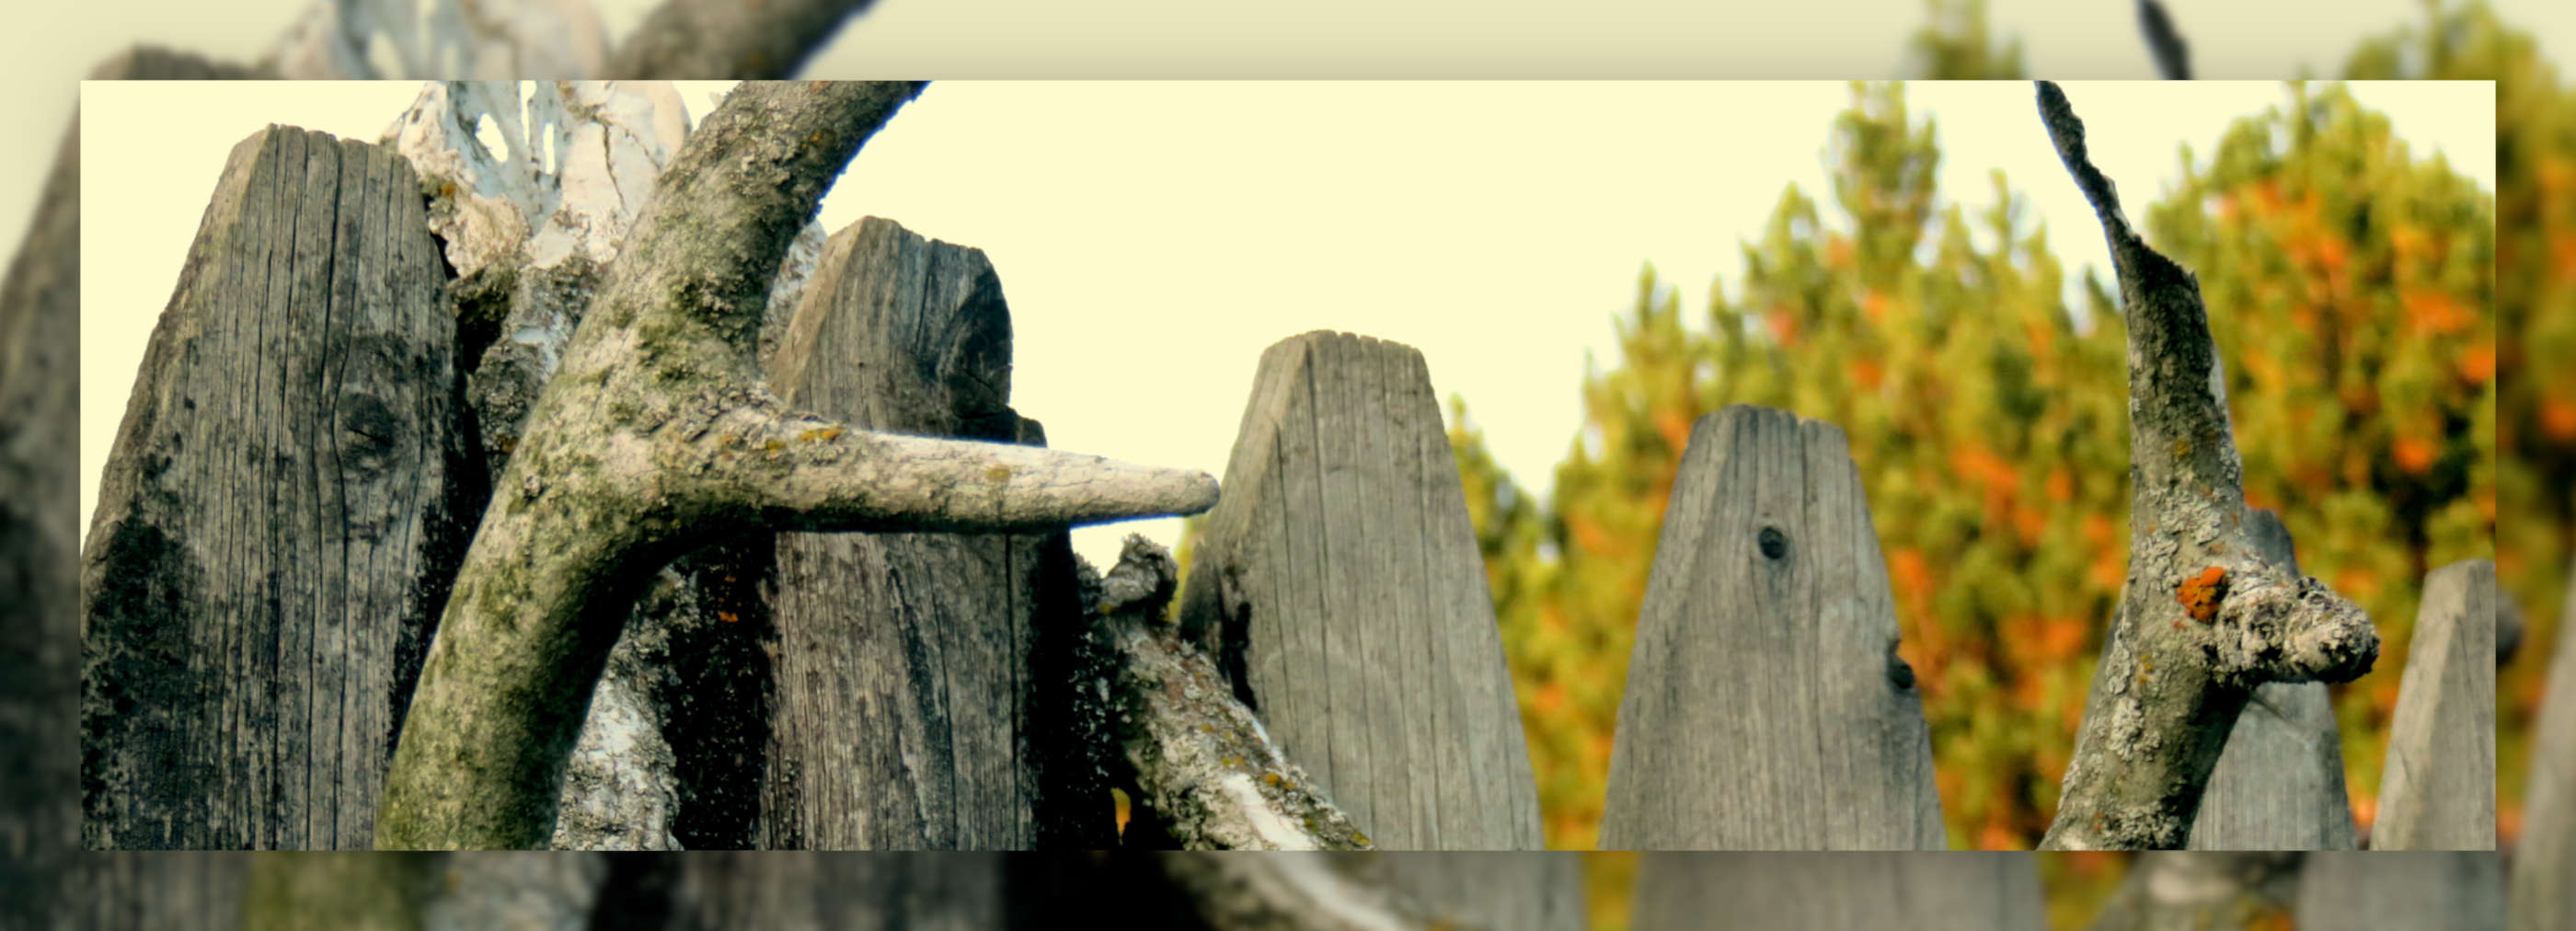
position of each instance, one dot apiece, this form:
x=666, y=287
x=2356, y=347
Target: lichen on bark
x=2204, y=618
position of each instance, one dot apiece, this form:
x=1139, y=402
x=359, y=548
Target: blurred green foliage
x=2351, y=282
x=2534, y=414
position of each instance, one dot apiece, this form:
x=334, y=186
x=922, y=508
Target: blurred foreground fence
x=884, y=891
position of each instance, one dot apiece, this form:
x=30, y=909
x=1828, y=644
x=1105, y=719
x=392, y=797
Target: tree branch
x=655, y=436
x=2173, y=55
x=2204, y=618
x=1202, y=762
x=709, y=39
x=808, y=474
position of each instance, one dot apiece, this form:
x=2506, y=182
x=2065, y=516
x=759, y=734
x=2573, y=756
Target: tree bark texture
x=279, y=519
x=2545, y=855
x=2408, y=891
x=905, y=687
x=2279, y=783
x=1983, y=891
x=1203, y=772
x=658, y=435
x=1340, y=587
x=715, y=39
x=2204, y=619
x=1766, y=708
x=2437, y=791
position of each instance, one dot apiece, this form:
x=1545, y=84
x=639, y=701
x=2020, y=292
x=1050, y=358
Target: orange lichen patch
x=727, y=616
x=2200, y=593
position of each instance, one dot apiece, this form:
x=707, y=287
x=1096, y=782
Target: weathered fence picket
x=1339, y=581
x=2545, y=855
x=2279, y=784
x=1766, y=708
x=281, y=516
x=1800, y=891
x=2402, y=891
x=2437, y=787
x=905, y=694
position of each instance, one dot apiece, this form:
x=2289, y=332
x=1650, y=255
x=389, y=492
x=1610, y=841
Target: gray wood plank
x=806, y=891
x=1765, y=706
x=2402, y=891
x=1339, y=580
x=1489, y=890
x=904, y=669
x=2437, y=785
x=188, y=889
x=2279, y=784
x=2544, y=856
x=281, y=516
x=1809, y=891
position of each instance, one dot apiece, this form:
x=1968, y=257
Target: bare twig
x=2204, y=618
x=687, y=39
x=2173, y=55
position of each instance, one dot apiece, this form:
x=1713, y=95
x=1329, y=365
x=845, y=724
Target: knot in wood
x=1774, y=543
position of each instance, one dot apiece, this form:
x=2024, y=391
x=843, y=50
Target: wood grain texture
x=2279, y=784
x=191, y=889
x=2410, y=891
x=2545, y=855
x=1339, y=583
x=1491, y=890
x=281, y=515
x=1983, y=891
x=904, y=658
x=2437, y=788
x=40, y=522
x=1766, y=708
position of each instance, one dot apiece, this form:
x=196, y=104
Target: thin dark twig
x=2173, y=55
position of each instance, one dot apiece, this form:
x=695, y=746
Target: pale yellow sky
x=1154, y=237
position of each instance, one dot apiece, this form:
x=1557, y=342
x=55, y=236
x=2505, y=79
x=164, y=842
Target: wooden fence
x=295, y=476
x=1493, y=891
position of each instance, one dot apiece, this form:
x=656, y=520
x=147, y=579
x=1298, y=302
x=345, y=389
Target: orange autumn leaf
x=1838, y=251
x=2028, y=524
x=2558, y=418
x=2414, y=454
x=1784, y=326
x=1875, y=304
x=1674, y=426
x=2478, y=361
x=2434, y=313
x=1868, y=373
